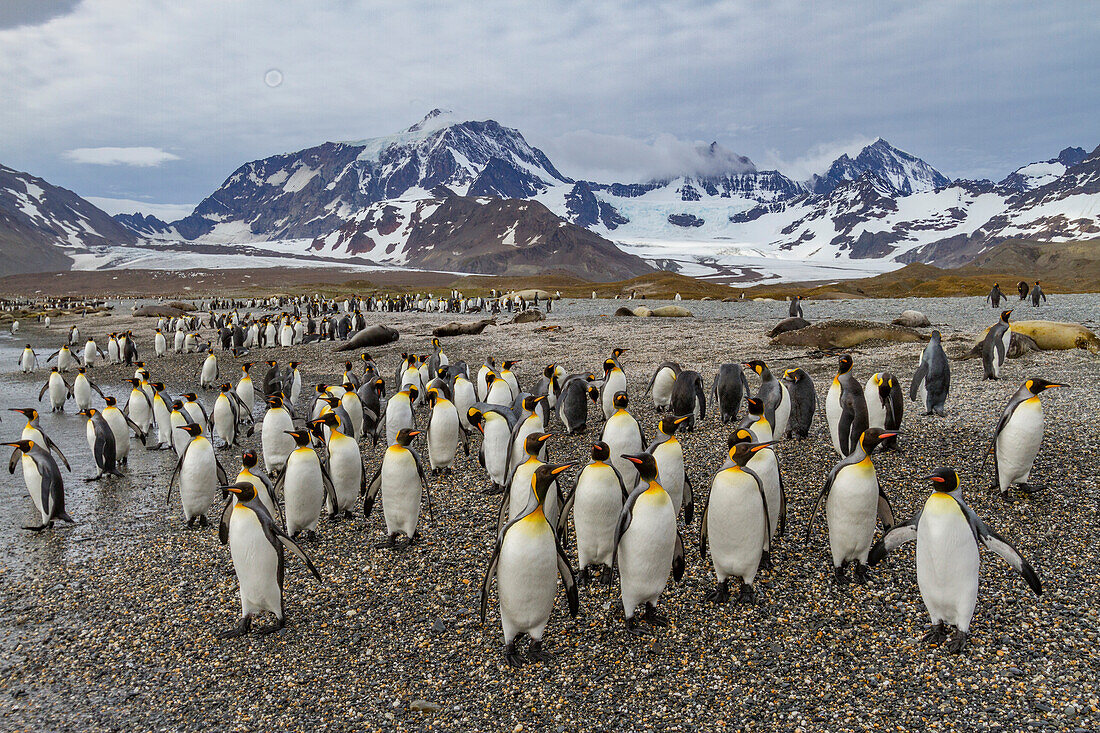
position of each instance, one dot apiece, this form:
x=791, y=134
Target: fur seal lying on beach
x=159, y=311
x=1043, y=336
x=373, y=336
x=529, y=316
x=455, y=328
x=912, y=319
x=846, y=334
x=788, y=324
x=665, y=311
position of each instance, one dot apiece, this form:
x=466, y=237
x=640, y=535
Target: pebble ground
x=110, y=625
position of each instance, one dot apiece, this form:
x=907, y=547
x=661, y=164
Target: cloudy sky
x=157, y=102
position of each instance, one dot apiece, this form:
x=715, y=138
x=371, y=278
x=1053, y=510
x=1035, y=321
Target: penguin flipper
x=689, y=500
x=223, y=478
x=679, y=563
x=920, y=376
x=897, y=536
x=701, y=396
x=782, y=530
x=490, y=572
x=568, y=580
x=16, y=454
x=137, y=430
x=297, y=551
x=619, y=476
x=175, y=473
x=43, y=390
x=844, y=430
x=625, y=518
x=885, y=511
x=566, y=507
x=704, y=532
x=223, y=523
x=820, y=500
x=999, y=545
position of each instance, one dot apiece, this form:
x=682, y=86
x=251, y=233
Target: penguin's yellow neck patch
x=941, y=503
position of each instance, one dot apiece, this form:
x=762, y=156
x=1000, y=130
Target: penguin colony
x=629, y=505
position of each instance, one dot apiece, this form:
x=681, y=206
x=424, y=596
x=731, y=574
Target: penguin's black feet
x=191, y=523
x=310, y=535
x=653, y=618
x=747, y=594
x=536, y=653
x=839, y=574
x=607, y=575
x=40, y=527
x=720, y=594
x=1031, y=489
x=387, y=544
x=766, y=560
x=860, y=573
x=349, y=514
x=279, y=624
x=511, y=656
x=203, y=521
x=93, y=478
x=958, y=641
x=936, y=635
x=583, y=577
x=239, y=630
x=634, y=629
x=494, y=489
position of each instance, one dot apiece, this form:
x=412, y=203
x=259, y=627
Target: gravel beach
x=110, y=624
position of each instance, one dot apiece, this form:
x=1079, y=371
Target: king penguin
x=885, y=405
x=200, y=474
x=669, y=455
x=58, y=388
x=43, y=480
x=344, y=462
x=845, y=408
x=803, y=402
x=596, y=503
x=33, y=431
x=305, y=484
x=623, y=435
x=495, y=425
x=1017, y=437
x=995, y=346
x=932, y=380
x=660, y=384
x=777, y=401
x=400, y=479
x=275, y=435
x=101, y=439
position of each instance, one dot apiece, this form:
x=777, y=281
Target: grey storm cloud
x=615, y=90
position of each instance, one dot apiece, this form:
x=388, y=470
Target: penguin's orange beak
x=414, y=433
x=233, y=490
x=889, y=435
x=937, y=479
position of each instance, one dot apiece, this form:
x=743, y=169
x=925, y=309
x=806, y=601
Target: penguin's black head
x=82, y=370
x=534, y=442
x=91, y=411
x=620, y=400
x=616, y=353
x=845, y=364
x=225, y=388
x=601, y=451
x=406, y=435
x=294, y=365
x=190, y=396
x=669, y=424
x=549, y=371
x=28, y=346
x=380, y=386
x=320, y=388
x=742, y=453
x=23, y=445
x=133, y=381
x=873, y=436
x=329, y=418
x=755, y=406
x=157, y=386
x=53, y=369
x=935, y=334
x=739, y=436
x=191, y=429
x=489, y=379
x=271, y=363
x=432, y=397
x=413, y=391
x=110, y=401
x=530, y=401
x=347, y=366
x=757, y=366
x=28, y=412
x=139, y=364
x=243, y=490
x=348, y=387
x=1035, y=385
x=645, y=463
x=436, y=342
x=608, y=365
x=794, y=375
x=509, y=364
x=944, y=479
x=543, y=476
x=249, y=459
x=275, y=401
x=1005, y=315
x=177, y=405
x=594, y=393
x=301, y=437
x=475, y=418
x=317, y=428
x=441, y=372
x=246, y=366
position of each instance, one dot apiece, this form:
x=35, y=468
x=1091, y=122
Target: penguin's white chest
x=256, y=563
x=832, y=414
x=662, y=387
x=527, y=577
x=443, y=435
x=646, y=549
x=1018, y=443
x=346, y=471
x=495, y=448
x=615, y=383
x=401, y=491
x=766, y=466
x=735, y=525
x=669, y=457
x=520, y=492
x=33, y=479
x=303, y=491
x=622, y=435
x=596, y=507
x=851, y=510
x=198, y=478
x=947, y=562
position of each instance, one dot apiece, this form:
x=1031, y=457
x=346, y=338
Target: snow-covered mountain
x=41, y=225
x=1039, y=174
x=899, y=171
x=145, y=225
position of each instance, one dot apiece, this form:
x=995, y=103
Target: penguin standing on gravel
x=399, y=412
x=669, y=455
x=854, y=501
x=209, y=373
x=803, y=402
x=845, y=409
x=995, y=346
x=245, y=390
x=660, y=384
x=755, y=420
x=777, y=401
x=254, y=475
x=728, y=389
x=82, y=389
x=573, y=405
x=495, y=425
x=101, y=439
x=947, y=533
x=623, y=434
x=596, y=503
x=344, y=462
x=58, y=388
x=445, y=433
x=305, y=484
x=885, y=405
x=735, y=523
x=226, y=416
x=689, y=397
x=614, y=381
x=200, y=474
x=1017, y=437
x=256, y=544
x=162, y=415
x=275, y=435
x=995, y=296
x=43, y=480
x=648, y=546
x=139, y=408
x=932, y=380
x=400, y=479
x=764, y=462
x=527, y=562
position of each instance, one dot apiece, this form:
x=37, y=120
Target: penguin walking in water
x=254, y=475
x=854, y=500
x=995, y=296
x=344, y=462
x=305, y=484
x=689, y=397
x=885, y=405
x=121, y=426
x=948, y=533
x=399, y=412
x=275, y=435
x=91, y=352
x=101, y=439
x=800, y=387
x=66, y=359
x=527, y=561
x=43, y=480
x=58, y=388
x=623, y=435
x=596, y=502
x=33, y=431
x=573, y=405
x=445, y=433
x=82, y=389
x=400, y=479
x=495, y=425
x=648, y=546
x=669, y=455
x=735, y=524
x=614, y=382
x=200, y=474
x=256, y=544
x=28, y=362
x=932, y=380
x=845, y=409
x=728, y=389
x=209, y=373
x=227, y=415
x=660, y=384
x=995, y=346
x=777, y=401
x=1017, y=437
x=139, y=407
